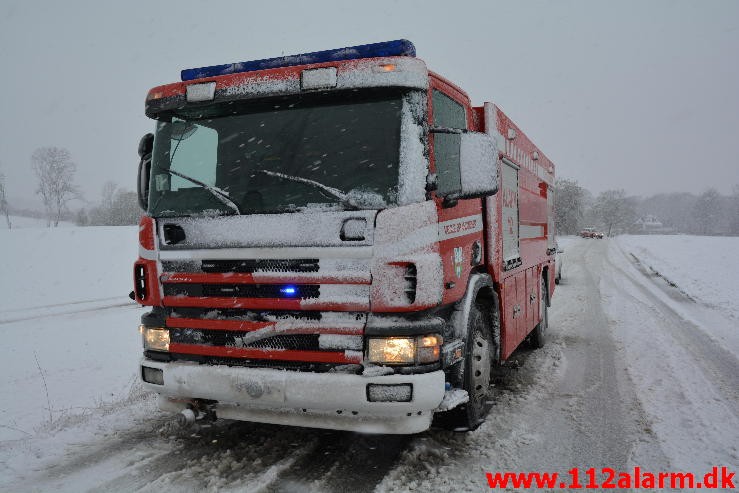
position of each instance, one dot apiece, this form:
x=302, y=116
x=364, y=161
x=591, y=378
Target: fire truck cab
x=337, y=239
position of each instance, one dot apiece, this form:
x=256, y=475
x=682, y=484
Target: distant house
x=650, y=224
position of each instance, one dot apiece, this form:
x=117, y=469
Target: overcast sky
x=641, y=95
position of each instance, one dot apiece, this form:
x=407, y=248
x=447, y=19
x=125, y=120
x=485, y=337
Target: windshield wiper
x=331, y=190
x=218, y=193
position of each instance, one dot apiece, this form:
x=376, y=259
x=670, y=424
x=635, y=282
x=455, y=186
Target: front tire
x=482, y=352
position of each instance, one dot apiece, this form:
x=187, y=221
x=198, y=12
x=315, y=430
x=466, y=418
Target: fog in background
x=637, y=95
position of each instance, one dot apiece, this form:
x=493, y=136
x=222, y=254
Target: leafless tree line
x=614, y=211
x=4, y=201
x=55, y=172
x=117, y=207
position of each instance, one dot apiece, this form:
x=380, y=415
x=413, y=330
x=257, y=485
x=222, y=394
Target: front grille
x=261, y=265
x=299, y=342
x=251, y=363
x=246, y=266
x=299, y=291
x=250, y=315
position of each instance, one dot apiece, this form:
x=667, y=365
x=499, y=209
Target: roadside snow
x=70, y=344
x=564, y=242
x=686, y=379
x=705, y=269
x=42, y=267
x=29, y=222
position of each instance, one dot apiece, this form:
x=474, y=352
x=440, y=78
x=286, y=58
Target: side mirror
x=146, y=144
x=466, y=164
x=478, y=165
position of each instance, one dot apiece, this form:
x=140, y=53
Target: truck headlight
x=404, y=350
x=155, y=338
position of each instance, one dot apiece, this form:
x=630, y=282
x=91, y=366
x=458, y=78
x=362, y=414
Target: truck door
x=509, y=215
x=551, y=233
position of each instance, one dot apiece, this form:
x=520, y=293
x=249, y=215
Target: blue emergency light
x=399, y=47
x=288, y=290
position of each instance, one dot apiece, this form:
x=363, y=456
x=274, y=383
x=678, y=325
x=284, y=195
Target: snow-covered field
x=636, y=372
x=703, y=267
x=29, y=222
x=69, y=329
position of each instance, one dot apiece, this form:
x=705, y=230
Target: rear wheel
x=538, y=335
x=481, y=352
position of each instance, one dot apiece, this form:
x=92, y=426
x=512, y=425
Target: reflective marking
x=460, y=227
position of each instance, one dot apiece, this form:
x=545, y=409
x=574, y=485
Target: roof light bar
x=399, y=47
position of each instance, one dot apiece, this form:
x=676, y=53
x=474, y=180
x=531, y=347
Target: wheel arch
x=480, y=287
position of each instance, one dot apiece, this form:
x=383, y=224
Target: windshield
x=279, y=156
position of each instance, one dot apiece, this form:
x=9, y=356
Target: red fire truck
x=337, y=239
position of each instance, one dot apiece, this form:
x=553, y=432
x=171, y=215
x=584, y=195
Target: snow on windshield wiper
x=218, y=193
x=331, y=190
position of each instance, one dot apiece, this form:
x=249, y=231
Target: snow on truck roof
x=398, y=47
x=377, y=65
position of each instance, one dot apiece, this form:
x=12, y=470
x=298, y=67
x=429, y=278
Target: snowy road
x=626, y=379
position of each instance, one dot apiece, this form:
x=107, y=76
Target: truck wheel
x=538, y=335
x=481, y=353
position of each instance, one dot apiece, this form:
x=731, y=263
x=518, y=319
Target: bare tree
x=707, y=212
x=733, y=211
x=102, y=214
x=55, y=172
x=117, y=207
x=570, y=206
x=615, y=210
x=4, y=201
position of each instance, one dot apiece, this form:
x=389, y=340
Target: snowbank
x=704, y=267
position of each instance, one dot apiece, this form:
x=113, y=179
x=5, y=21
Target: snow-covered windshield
x=279, y=155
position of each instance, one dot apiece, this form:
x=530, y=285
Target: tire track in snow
x=41, y=312
x=343, y=462
x=228, y=454
x=713, y=359
x=686, y=382
x=570, y=404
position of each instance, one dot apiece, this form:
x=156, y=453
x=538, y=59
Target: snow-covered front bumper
x=320, y=400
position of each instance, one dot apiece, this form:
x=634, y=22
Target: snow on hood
x=298, y=229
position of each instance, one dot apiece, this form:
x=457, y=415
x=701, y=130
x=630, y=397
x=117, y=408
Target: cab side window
x=447, y=112
x=448, y=115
